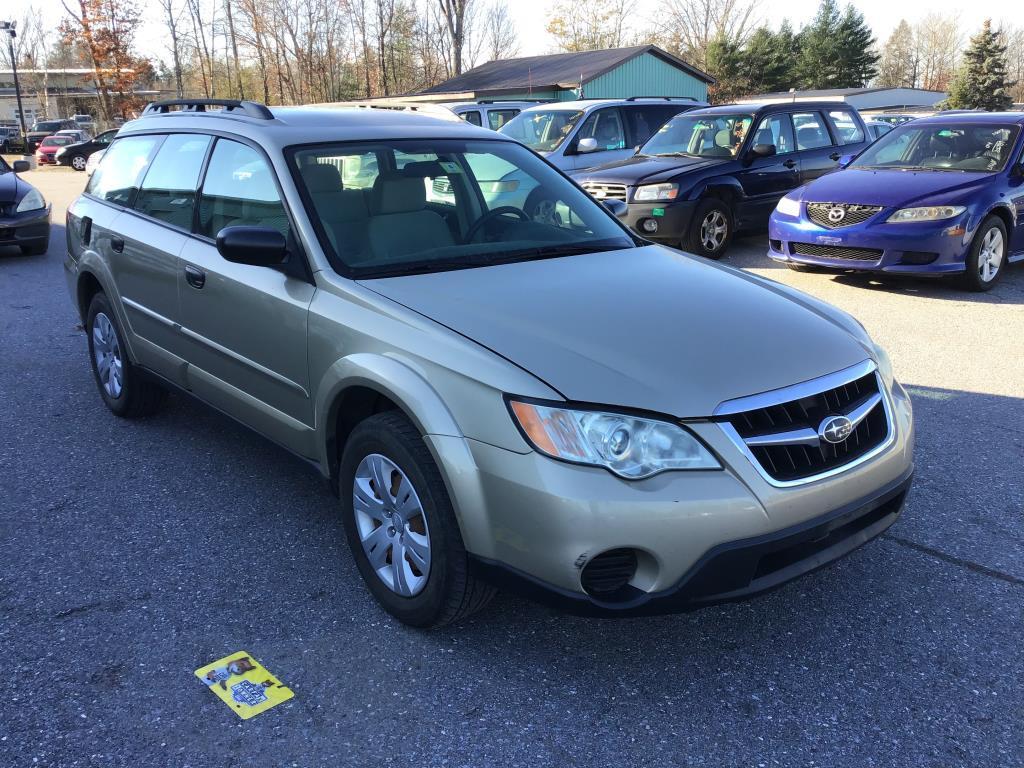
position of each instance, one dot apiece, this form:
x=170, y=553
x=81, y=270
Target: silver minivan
x=574, y=135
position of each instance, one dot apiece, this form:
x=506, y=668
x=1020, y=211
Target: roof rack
x=247, y=108
x=660, y=98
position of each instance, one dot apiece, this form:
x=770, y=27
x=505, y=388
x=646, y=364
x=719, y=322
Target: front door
x=765, y=180
x=245, y=326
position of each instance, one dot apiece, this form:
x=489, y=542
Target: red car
x=47, y=151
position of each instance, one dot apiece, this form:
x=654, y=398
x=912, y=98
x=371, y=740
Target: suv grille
x=836, y=215
x=441, y=185
x=788, y=439
x=600, y=191
x=836, y=252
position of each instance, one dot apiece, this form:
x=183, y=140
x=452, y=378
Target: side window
x=777, y=130
x=126, y=160
x=810, y=131
x=604, y=125
x=645, y=121
x=498, y=117
x=845, y=126
x=106, y=137
x=239, y=189
x=168, y=192
x=472, y=117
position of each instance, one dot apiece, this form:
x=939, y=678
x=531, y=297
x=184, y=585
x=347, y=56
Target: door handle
x=834, y=156
x=117, y=244
x=195, y=276
x=790, y=163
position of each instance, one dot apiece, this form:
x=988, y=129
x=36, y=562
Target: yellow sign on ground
x=244, y=684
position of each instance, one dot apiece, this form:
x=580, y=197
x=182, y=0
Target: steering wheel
x=503, y=210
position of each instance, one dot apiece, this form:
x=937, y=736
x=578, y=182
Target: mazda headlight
x=629, y=446
x=652, y=192
x=32, y=201
x=788, y=206
x=930, y=213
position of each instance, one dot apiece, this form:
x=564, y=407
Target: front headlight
x=651, y=192
x=930, y=213
x=629, y=446
x=60, y=152
x=31, y=201
x=788, y=206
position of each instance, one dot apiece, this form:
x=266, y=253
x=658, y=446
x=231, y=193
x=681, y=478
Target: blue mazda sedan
x=942, y=195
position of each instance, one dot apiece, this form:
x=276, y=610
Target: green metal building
x=616, y=73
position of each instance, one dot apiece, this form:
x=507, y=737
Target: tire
x=712, y=223
x=445, y=590
x=984, y=268
x=36, y=249
x=78, y=162
x=134, y=396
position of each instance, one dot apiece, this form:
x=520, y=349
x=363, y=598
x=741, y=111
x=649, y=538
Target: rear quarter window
x=125, y=163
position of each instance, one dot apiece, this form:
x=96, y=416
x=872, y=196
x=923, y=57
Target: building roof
x=559, y=70
x=826, y=92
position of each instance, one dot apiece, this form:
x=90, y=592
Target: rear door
x=766, y=179
x=816, y=153
x=245, y=326
x=848, y=131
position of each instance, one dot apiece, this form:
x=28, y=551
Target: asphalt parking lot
x=132, y=553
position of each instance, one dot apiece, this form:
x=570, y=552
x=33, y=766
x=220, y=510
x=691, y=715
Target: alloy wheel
x=713, y=230
x=990, y=257
x=391, y=524
x=78, y=163
x=107, y=353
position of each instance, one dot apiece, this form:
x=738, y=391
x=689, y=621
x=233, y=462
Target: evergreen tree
x=981, y=80
x=857, y=60
x=898, y=65
x=725, y=64
x=768, y=60
x=836, y=49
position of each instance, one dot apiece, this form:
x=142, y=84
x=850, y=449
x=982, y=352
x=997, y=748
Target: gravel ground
x=133, y=553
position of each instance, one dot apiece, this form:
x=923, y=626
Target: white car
x=93, y=162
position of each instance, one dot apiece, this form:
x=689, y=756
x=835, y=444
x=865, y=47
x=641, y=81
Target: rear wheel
x=121, y=384
x=401, y=527
x=78, y=162
x=710, y=230
x=987, y=257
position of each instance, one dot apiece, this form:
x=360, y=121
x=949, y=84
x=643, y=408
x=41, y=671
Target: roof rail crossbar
x=247, y=108
x=666, y=98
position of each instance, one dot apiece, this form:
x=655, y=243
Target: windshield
x=404, y=206
x=700, y=135
x=52, y=125
x=941, y=147
x=542, y=130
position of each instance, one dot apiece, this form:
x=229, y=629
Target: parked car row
x=500, y=399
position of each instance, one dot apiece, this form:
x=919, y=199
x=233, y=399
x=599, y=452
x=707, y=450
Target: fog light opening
x=650, y=226
x=608, y=574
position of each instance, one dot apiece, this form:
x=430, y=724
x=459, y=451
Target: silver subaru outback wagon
x=546, y=404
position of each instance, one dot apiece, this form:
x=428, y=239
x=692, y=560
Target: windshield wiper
x=675, y=154
x=489, y=259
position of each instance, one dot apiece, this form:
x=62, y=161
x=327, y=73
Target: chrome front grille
x=836, y=252
x=442, y=186
x=801, y=433
x=836, y=215
x=601, y=191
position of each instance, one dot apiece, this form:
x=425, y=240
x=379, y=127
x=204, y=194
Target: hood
x=890, y=188
x=647, y=168
x=647, y=328
x=9, y=185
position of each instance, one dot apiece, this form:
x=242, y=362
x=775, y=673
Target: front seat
x=401, y=223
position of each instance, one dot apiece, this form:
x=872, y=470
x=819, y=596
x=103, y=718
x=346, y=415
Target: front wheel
x=987, y=257
x=711, y=229
x=401, y=527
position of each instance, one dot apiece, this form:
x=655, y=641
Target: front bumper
x=700, y=537
x=923, y=248
x=671, y=218
x=29, y=228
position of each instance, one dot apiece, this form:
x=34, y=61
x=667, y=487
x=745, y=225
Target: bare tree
x=938, y=40
x=691, y=25
x=603, y=24
x=500, y=36
x=454, y=14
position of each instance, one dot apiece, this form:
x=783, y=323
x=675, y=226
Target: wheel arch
x=723, y=188
x=1005, y=213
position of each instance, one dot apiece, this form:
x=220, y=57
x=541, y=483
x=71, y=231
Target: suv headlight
x=629, y=446
x=788, y=206
x=930, y=213
x=652, y=192
x=31, y=201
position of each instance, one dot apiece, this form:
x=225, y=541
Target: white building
x=863, y=99
x=51, y=94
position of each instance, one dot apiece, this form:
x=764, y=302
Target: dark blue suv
x=710, y=172
x=941, y=195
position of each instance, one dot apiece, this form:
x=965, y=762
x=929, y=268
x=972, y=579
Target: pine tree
x=725, y=63
x=836, y=49
x=768, y=59
x=981, y=80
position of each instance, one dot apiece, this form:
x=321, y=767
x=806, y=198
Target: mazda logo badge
x=836, y=214
x=835, y=429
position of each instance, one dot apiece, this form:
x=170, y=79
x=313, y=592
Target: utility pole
x=9, y=28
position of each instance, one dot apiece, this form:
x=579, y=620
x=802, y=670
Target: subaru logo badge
x=835, y=429
x=836, y=214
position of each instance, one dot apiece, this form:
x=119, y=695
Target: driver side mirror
x=20, y=166
x=586, y=145
x=257, y=246
x=764, y=150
